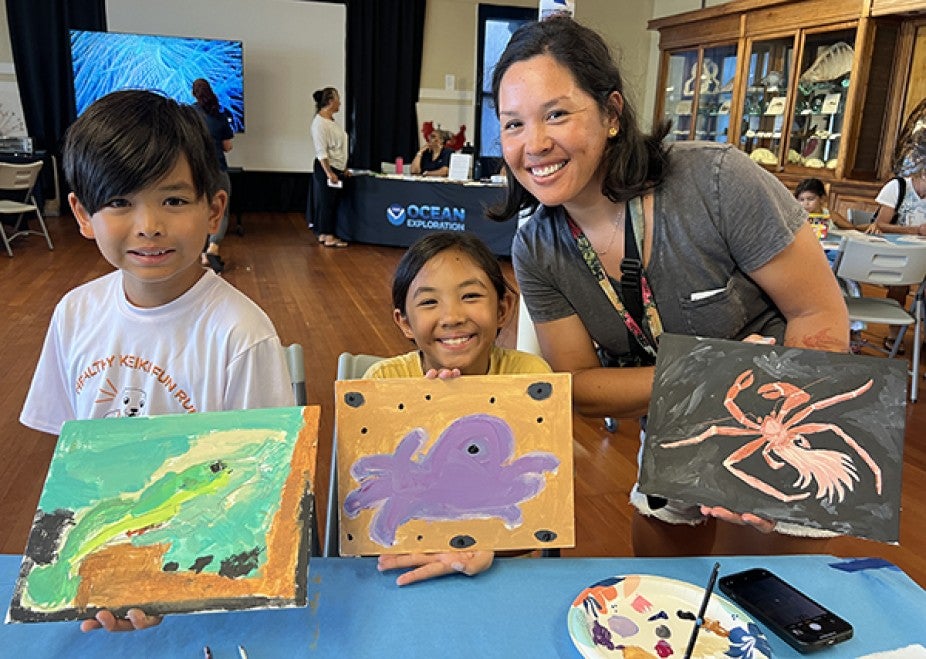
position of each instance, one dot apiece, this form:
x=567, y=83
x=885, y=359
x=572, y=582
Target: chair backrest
x=860, y=217
x=295, y=362
x=350, y=367
x=19, y=177
x=875, y=260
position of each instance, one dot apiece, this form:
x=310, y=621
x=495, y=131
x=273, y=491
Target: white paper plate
x=642, y=615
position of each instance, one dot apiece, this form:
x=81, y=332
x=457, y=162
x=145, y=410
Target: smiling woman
x=628, y=239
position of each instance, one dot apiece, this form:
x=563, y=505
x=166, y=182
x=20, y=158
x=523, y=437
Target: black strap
x=631, y=291
x=901, y=193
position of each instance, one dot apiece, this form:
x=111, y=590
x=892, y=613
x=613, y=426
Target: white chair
x=350, y=367
x=874, y=260
x=20, y=180
x=859, y=217
x=295, y=364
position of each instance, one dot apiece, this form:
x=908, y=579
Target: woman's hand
x=745, y=519
x=333, y=177
x=134, y=619
x=428, y=566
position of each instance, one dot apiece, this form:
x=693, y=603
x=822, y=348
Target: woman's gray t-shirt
x=717, y=217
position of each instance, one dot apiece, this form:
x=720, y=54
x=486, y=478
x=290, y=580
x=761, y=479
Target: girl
x=451, y=300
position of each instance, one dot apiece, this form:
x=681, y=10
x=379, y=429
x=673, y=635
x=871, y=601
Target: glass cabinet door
x=679, y=94
x=766, y=100
x=718, y=69
x=820, y=104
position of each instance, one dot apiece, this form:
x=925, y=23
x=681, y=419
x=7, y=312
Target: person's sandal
x=336, y=243
x=889, y=346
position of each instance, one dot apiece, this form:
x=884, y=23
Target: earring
x=612, y=132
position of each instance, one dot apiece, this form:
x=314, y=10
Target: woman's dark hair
x=323, y=97
x=633, y=161
x=205, y=97
x=426, y=248
x=129, y=140
x=813, y=185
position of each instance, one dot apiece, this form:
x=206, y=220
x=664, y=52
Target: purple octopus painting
x=460, y=479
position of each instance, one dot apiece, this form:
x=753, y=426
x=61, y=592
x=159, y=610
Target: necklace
x=614, y=227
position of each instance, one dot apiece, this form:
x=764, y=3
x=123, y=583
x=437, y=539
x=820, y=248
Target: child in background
x=451, y=299
x=811, y=193
x=161, y=334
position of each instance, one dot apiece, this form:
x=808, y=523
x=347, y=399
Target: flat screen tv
x=105, y=62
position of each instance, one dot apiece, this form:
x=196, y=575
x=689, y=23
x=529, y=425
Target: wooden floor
x=331, y=301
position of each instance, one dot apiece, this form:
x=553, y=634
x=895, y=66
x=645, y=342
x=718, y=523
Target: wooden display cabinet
x=809, y=88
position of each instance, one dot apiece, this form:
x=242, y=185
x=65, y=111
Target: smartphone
x=803, y=623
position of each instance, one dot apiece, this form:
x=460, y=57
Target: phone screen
x=778, y=601
x=801, y=622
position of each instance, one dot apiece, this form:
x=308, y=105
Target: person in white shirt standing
x=330, y=166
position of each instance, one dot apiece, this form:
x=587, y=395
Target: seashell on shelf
x=794, y=157
x=831, y=163
x=814, y=162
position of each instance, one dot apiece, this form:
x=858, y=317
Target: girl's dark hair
x=129, y=140
x=205, y=97
x=633, y=161
x=426, y=248
x=323, y=97
x=813, y=185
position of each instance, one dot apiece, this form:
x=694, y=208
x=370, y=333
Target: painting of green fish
x=173, y=514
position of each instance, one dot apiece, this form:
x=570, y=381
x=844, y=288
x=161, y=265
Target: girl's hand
x=428, y=566
x=134, y=619
x=442, y=374
x=333, y=177
x=873, y=228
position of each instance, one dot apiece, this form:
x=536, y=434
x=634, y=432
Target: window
x=496, y=25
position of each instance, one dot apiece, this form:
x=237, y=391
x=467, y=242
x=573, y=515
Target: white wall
x=291, y=48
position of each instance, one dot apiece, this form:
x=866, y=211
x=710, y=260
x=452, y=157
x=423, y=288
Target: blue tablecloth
x=517, y=609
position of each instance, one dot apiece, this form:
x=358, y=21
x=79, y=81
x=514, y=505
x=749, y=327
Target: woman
x=218, y=122
x=330, y=165
x=710, y=243
x=434, y=159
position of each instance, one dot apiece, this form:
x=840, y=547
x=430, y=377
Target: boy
x=161, y=334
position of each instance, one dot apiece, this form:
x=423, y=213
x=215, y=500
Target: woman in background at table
x=451, y=299
x=433, y=159
x=682, y=224
x=330, y=166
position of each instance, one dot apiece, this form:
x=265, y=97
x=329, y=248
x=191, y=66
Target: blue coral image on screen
x=105, y=62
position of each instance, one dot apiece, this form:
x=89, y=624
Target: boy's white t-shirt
x=210, y=349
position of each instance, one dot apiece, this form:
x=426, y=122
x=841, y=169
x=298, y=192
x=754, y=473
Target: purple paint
x=623, y=626
x=467, y=474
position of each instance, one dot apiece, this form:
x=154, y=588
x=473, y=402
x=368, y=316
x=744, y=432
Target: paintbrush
x=700, y=619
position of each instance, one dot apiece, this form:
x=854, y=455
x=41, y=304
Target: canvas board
x=802, y=436
x=173, y=514
x=482, y=462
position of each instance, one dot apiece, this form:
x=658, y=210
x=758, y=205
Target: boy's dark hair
x=634, y=162
x=812, y=185
x=426, y=248
x=128, y=140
